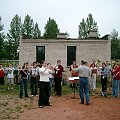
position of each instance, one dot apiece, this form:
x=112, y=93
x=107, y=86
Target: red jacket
x=116, y=72
x=59, y=73
x=1, y=73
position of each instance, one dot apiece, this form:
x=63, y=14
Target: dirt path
x=66, y=108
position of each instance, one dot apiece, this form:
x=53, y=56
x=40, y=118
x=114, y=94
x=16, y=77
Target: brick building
x=65, y=49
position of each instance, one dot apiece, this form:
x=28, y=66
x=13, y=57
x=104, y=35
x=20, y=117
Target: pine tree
x=2, y=37
x=28, y=27
x=14, y=35
x=36, y=32
x=86, y=26
x=51, y=29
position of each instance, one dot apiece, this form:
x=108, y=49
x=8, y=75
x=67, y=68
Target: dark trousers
x=23, y=83
x=44, y=93
x=16, y=79
x=34, y=84
x=58, y=86
x=104, y=83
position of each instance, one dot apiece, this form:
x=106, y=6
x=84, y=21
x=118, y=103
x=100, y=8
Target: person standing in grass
x=51, y=79
x=1, y=78
x=109, y=83
x=116, y=81
x=93, y=76
x=10, y=77
x=16, y=72
x=34, y=79
x=104, y=78
x=24, y=81
x=58, y=78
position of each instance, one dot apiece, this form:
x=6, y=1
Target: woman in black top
x=23, y=82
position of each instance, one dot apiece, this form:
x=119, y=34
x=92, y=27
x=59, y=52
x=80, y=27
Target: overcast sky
x=67, y=13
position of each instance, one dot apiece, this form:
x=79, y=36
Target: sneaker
x=41, y=106
x=103, y=94
x=36, y=95
x=48, y=104
x=32, y=95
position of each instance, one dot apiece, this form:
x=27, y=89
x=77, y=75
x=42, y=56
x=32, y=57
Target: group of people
x=12, y=76
x=109, y=75
x=41, y=75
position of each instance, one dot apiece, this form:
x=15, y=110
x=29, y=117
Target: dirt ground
x=63, y=108
x=67, y=108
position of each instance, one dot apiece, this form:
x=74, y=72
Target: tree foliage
x=28, y=27
x=10, y=47
x=2, y=37
x=51, y=29
x=115, y=45
x=86, y=26
x=36, y=32
x=14, y=35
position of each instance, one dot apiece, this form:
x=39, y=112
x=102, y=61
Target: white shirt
x=44, y=74
x=10, y=72
x=34, y=71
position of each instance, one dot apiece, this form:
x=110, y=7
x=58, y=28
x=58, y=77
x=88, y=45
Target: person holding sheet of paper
x=73, y=74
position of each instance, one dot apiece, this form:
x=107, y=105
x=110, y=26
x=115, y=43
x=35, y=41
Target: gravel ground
x=67, y=108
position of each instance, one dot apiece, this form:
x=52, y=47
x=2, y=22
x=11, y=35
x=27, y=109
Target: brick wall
x=88, y=50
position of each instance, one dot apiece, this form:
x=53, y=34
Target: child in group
x=10, y=77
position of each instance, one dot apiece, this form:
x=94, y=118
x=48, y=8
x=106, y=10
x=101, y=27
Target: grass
x=65, y=89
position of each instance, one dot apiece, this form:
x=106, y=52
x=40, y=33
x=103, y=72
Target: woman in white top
x=44, y=72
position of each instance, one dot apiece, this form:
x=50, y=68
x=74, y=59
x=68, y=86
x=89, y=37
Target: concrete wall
x=88, y=50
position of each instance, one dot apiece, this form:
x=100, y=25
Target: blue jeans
x=50, y=86
x=116, y=88
x=23, y=83
x=84, y=88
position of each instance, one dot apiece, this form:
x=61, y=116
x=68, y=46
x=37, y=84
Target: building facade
x=65, y=50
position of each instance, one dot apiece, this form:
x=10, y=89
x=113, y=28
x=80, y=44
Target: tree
x=90, y=23
x=8, y=48
x=14, y=34
x=51, y=29
x=2, y=37
x=36, y=32
x=115, y=45
x=82, y=30
x=28, y=27
x=86, y=26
